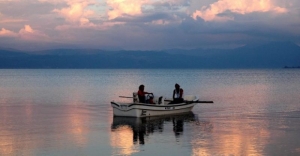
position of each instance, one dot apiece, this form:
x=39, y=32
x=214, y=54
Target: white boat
x=161, y=107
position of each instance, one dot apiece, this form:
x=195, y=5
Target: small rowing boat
x=160, y=107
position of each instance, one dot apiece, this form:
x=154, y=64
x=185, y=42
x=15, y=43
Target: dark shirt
x=141, y=96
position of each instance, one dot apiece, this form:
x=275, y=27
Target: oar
x=193, y=101
x=125, y=97
x=202, y=102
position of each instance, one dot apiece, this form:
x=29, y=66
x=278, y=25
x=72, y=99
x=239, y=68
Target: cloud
x=7, y=33
x=213, y=11
x=160, y=22
x=51, y=1
x=124, y=7
x=76, y=13
x=12, y=20
x=147, y=24
x=26, y=34
x=29, y=34
x=165, y=5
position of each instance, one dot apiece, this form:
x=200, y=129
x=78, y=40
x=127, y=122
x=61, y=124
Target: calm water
x=68, y=112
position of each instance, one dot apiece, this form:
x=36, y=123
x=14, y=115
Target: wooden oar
x=202, y=102
x=125, y=97
x=172, y=100
x=193, y=101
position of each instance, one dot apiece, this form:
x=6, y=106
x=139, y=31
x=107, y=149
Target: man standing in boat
x=177, y=94
x=142, y=93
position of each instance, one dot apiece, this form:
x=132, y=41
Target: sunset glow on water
x=68, y=112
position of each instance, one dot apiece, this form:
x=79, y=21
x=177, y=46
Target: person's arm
x=181, y=93
x=173, y=94
x=147, y=93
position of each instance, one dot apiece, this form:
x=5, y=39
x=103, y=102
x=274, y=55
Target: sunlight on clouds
x=84, y=24
x=7, y=33
x=121, y=7
x=27, y=33
x=12, y=20
x=51, y=1
x=76, y=12
x=27, y=28
x=210, y=13
x=280, y=10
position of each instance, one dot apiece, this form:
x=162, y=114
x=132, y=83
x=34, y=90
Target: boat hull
x=145, y=110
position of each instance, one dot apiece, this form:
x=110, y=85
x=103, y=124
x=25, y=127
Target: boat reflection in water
x=143, y=127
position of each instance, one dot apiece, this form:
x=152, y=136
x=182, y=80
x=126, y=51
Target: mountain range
x=271, y=55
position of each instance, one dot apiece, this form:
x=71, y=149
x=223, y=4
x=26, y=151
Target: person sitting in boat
x=177, y=95
x=142, y=93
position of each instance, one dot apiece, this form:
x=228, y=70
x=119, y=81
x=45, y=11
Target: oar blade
x=125, y=97
x=203, y=102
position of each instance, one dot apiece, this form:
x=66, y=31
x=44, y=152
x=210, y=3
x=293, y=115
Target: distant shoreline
x=144, y=68
x=287, y=67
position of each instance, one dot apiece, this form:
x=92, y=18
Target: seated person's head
x=177, y=86
x=141, y=87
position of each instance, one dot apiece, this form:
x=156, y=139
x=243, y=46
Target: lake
x=68, y=112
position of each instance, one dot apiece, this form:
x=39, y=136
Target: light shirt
x=177, y=95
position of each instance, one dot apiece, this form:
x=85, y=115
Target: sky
x=146, y=24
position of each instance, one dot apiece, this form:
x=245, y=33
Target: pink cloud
x=211, y=12
x=27, y=33
x=76, y=12
x=121, y=7
x=4, y=19
x=7, y=33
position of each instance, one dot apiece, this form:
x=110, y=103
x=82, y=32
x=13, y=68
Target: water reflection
x=67, y=112
x=251, y=135
x=31, y=129
x=142, y=127
x=128, y=135
x=234, y=136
